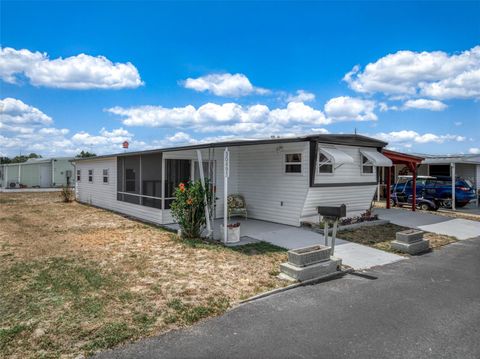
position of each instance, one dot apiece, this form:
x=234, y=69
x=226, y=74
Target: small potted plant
x=233, y=232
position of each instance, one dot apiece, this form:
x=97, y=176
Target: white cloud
x=423, y=104
x=474, y=150
x=432, y=74
x=228, y=117
x=407, y=136
x=345, y=108
x=301, y=96
x=13, y=111
x=226, y=85
x=25, y=128
x=112, y=138
x=76, y=72
x=458, y=123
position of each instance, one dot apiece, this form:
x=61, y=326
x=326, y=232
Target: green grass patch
x=9, y=334
x=258, y=248
x=189, y=314
x=110, y=335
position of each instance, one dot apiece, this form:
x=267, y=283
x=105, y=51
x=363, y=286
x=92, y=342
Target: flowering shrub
x=188, y=207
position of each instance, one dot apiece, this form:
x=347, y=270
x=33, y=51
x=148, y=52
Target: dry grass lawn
x=77, y=279
x=380, y=236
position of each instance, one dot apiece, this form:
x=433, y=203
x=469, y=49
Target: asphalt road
x=425, y=307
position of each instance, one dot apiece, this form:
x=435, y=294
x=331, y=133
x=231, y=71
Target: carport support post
x=414, y=187
x=388, y=186
x=452, y=165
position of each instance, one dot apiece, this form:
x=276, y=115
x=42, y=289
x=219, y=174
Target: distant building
x=38, y=173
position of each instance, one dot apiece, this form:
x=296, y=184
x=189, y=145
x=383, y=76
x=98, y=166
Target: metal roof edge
x=340, y=139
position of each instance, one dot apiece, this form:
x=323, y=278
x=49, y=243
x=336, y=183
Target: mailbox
x=329, y=211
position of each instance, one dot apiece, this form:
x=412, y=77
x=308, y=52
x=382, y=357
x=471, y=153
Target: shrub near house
x=188, y=208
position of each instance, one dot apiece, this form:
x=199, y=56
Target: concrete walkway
x=459, y=228
x=426, y=307
x=354, y=255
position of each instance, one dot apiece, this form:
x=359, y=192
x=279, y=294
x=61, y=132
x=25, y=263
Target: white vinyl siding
x=271, y=194
x=105, y=194
x=356, y=198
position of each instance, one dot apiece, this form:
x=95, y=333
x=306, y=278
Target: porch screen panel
x=208, y=174
x=129, y=179
x=176, y=171
x=152, y=180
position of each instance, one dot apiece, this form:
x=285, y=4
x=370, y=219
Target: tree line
x=25, y=158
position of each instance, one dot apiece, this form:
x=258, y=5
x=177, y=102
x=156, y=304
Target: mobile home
x=37, y=173
x=282, y=180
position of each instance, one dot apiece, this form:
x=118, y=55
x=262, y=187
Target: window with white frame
x=367, y=165
x=79, y=175
x=90, y=176
x=293, y=163
x=105, y=175
x=325, y=165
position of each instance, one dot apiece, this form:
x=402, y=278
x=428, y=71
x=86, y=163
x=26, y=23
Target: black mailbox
x=328, y=211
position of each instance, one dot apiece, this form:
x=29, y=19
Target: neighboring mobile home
x=282, y=180
x=37, y=173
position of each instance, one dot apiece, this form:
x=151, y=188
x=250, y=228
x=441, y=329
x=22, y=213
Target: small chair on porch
x=236, y=205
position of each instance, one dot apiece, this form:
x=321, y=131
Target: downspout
x=53, y=172
x=226, y=174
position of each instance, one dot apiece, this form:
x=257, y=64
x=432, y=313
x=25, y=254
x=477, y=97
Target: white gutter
x=202, y=179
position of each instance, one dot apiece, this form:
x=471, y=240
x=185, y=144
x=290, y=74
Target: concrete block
x=409, y=236
x=413, y=247
x=312, y=271
x=305, y=256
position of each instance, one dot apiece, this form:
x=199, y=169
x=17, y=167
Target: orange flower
x=189, y=201
x=181, y=186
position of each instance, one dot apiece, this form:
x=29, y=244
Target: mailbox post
x=331, y=215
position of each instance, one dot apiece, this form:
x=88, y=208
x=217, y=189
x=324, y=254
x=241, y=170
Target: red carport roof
x=399, y=157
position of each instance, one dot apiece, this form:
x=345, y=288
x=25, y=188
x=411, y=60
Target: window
x=367, y=166
x=79, y=175
x=325, y=165
x=90, y=176
x=105, y=175
x=293, y=163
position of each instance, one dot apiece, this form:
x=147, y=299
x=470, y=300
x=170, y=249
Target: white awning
x=377, y=158
x=337, y=157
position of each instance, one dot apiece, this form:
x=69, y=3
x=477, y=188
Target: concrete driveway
x=459, y=228
x=426, y=307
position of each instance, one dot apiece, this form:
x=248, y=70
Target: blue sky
x=89, y=75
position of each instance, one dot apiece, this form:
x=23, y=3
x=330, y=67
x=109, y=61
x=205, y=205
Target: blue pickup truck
x=433, y=192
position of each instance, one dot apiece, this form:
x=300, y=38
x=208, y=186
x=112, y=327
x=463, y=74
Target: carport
x=398, y=158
